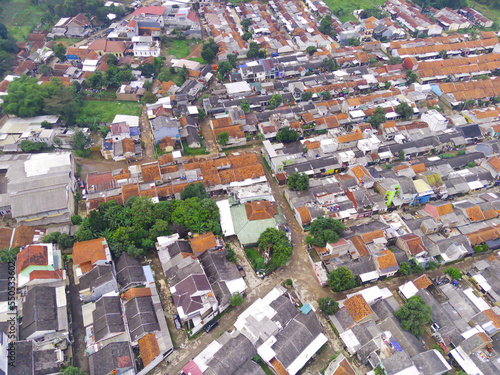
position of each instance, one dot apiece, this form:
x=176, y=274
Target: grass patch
x=314, y=255
x=231, y=149
x=180, y=48
x=255, y=258
x=343, y=8
x=491, y=12
x=198, y=59
x=106, y=111
x=188, y=151
x=20, y=17
x=67, y=41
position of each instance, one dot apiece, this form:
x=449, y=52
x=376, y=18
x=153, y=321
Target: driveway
x=78, y=347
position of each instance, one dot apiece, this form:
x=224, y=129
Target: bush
x=328, y=305
x=480, y=248
x=231, y=255
x=454, y=273
x=236, y=299
x=288, y=282
x=76, y=219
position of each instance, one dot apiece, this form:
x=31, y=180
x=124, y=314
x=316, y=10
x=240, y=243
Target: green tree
x=328, y=305
x=411, y=77
x=394, y=60
x=330, y=64
x=245, y=106
x=149, y=97
x=405, y=110
x=148, y=85
x=159, y=228
x=254, y=51
x=61, y=100
x=58, y=142
x=44, y=70
x=443, y=54
x=311, y=50
x=143, y=216
x=246, y=36
x=25, y=98
x=298, y=181
x=325, y=26
x=354, y=42
x=201, y=114
x=325, y=230
x=230, y=254
x=417, y=269
x=413, y=315
x=112, y=59
x=454, y=273
x=70, y=370
x=65, y=241
x=209, y=51
x=306, y=96
x=245, y=23
x=223, y=138
x=194, y=190
x=387, y=85
x=81, y=141
x=276, y=245
x=275, y=100
x=9, y=254
x=76, y=219
x=7, y=62
x=326, y=95
x=224, y=68
x=60, y=51
x=196, y=216
x=236, y=299
x=341, y=279
x=404, y=269
x=377, y=118
x=286, y=135
x=28, y=146
x=231, y=57
x=432, y=265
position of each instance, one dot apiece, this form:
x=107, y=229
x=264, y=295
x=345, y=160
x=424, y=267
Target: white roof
x=350, y=339
x=40, y=164
x=373, y=293
x=482, y=282
x=369, y=276
x=357, y=113
x=61, y=296
x=236, y=286
x=465, y=362
x=206, y=355
x=408, y=289
x=192, y=109
x=226, y=220
x=307, y=354
x=480, y=303
x=475, y=185
x=237, y=87
x=192, y=65
x=265, y=351
x=132, y=121
x=177, y=154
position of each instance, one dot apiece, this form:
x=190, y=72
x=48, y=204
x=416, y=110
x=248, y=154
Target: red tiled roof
x=203, y=242
x=89, y=251
x=32, y=255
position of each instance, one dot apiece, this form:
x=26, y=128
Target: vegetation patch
x=343, y=8
x=106, y=111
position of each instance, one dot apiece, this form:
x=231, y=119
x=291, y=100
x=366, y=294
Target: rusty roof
x=249, y=172
x=483, y=235
x=387, y=260
x=350, y=137
x=203, y=242
x=358, y=243
x=305, y=215
x=137, y=292
x=89, y=251
x=495, y=163
x=494, y=317
x=23, y=236
x=130, y=190
x=357, y=307
x=150, y=172
x=223, y=122
x=419, y=168
x=422, y=282
x=370, y=236
x=165, y=159
x=261, y=210
x=164, y=190
x=474, y=213
x=32, y=255
x=5, y=237
x=149, y=348
x=414, y=243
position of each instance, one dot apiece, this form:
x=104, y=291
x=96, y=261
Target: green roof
x=248, y=232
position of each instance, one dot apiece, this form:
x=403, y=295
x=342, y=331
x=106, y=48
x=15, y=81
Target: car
x=242, y=271
x=211, y=325
x=84, y=194
x=435, y=327
x=177, y=321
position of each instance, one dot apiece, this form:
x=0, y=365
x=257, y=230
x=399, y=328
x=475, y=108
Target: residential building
x=89, y=254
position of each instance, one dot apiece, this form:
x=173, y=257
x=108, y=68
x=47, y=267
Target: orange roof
x=419, y=168
x=360, y=246
x=130, y=190
x=5, y=237
x=150, y=172
x=495, y=318
x=357, y=307
x=414, y=243
x=444, y=209
x=490, y=214
x=165, y=159
x=370, y=236
x=312, y=145
x=360, y=172
x=136, y=292
x=32, y=255
x=23, y=236
x=305, y=215
x=124, y=173
x=350, y=137
x=261, y=210
x=149, y=349
x=495, y=163
x=46, y=274
x=474, y=213
x=164, y=190
x=249, y=172
x=483, y=235
x=400, y=167
x=422, y=282
x=344, y=368
x=89, y=251
x=223, y=122
x=308, y=117
x=387, y=260
x=278, y=367
x=203, y=242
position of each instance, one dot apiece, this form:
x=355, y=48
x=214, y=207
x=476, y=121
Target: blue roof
x=436, y=90
x=396, y=345
x=134, y=131
x=306, y=309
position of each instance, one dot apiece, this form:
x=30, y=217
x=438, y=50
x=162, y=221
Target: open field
x=106, y=111
x=344, y=8
x=180, y=48
x=20, y=17
x=490, y=12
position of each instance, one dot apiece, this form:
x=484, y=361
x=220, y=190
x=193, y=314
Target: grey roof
x=99, y=275
x=364, y=352
x=141, y=317
x=249, y=368
x=295, y=337
x=4, y=276
x=429, y=363
x=361, y=265
x=382, y=309
x=405, y=339
x=164, y=122
x=23, y=359
x=45, y=362
x=285, y=310
x=342, y=320
x=39, y=311
x=233, y=355
x=112, y=357
x=396, y=363
x=365, y=332
x=218, y=268
x=187, y=267
x=107, y=318
x=129, y=271
x=472, y=344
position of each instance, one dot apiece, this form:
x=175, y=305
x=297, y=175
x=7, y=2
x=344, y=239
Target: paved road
x=80, y=360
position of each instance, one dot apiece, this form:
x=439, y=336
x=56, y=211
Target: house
x=165, y=127
x=116, y=357
x=78, y=26
x=130, y=93
x=38, y=264
x=104, y=46
x=107, y=322
x=145, y=46
x=99, y=281
x=412, y=245
x=386, y=264
x=204, y=242
x=355, y=310
x=140, y=313
x=334, y=250
x=303, y=216
x=89, y=254
x=424, y=192
x=388, y=188
x=29, y=359
x=339, y=366
x=44, y=313
x=129, y=272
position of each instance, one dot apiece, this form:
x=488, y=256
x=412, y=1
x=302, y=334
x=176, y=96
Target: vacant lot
x=344, y=8
x=106, y=111
x=180, y=48
x=493, y=13
x=20, y=17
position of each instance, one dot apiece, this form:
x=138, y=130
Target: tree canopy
x=81, y=142
x=245, y=106
x=325, y=230
x=254, y=51
x=276, y=245
x=328, y=305
x=9, y=254
x=306, y=96
x=404, y=110
x=311, y=50
x=454, y=273
x=286, y=135
x=70, y=370
x=298, y=181
x=377, y=118
x=194, y=190
x=341, y=279
x=209, y=51
x=413, y=315
x=276, y=100
x=325, y=26
x=223, y=138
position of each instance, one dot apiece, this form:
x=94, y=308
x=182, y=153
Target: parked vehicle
x=177, y=321
x=435, y=327
x=211, y=325
x=242, y=271
x=84, y=194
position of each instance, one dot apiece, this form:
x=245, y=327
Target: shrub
x=76, y=219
